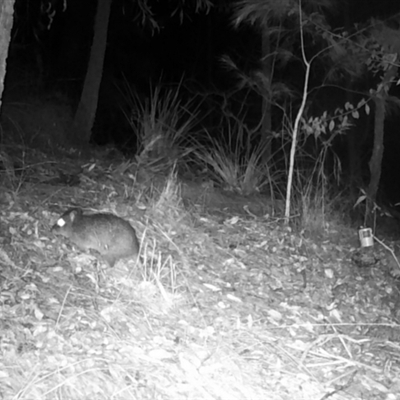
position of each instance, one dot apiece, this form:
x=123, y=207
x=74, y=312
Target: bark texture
x=86, y=112
x=6, y=23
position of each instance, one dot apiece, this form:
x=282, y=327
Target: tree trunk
x=86, y=112
x=6, y=23
x=266, y=98
x=353, y=137
x=375, y=163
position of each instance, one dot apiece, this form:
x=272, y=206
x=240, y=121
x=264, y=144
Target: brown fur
x=113, y=237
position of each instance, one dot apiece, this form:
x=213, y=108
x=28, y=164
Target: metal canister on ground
x=366, y=237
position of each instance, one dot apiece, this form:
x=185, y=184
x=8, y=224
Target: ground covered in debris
x=228, y=303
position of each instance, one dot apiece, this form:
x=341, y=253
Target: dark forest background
x=211, y=58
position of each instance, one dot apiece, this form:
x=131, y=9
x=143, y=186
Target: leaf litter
x=223, y=306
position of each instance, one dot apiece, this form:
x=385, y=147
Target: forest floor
x=228, y=303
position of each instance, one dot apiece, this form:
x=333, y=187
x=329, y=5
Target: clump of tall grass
x=314, y=200
x=235, y=159
x=163, y=124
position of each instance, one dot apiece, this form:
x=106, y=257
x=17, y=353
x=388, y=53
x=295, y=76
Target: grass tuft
x=163, y=125
x=236, y=163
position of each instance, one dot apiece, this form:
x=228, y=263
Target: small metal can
x=366, y=237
